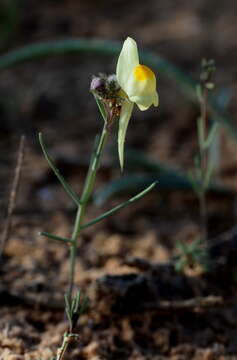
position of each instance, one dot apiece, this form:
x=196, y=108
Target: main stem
x=63, y=348
x=86, y=194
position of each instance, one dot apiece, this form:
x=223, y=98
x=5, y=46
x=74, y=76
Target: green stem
x=86, y=193
x=73, y=248
x=63, y=348
x=94, y=164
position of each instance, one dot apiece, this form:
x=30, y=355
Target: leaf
x=211, y=136
x=208, y=175
x=223, y=98
x=120, y=206
x=125, y=115
x=56, y=171
x=200, y=131
x=55, y=237
x=101, y=107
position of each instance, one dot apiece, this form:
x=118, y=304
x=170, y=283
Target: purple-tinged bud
x=97, y=84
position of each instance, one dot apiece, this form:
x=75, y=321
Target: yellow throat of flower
x=143, y=72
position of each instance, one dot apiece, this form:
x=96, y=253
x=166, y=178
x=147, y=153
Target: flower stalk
x=205, y=139
x=203, y=167
x=196, y=252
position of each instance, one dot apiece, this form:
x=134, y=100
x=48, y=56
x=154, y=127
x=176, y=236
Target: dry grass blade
x=189, y=304
x=13, y=195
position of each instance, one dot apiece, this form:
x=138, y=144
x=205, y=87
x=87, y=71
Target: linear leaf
x=120, y=206
x=101, y=107
x=55, y=237
x=64, y=183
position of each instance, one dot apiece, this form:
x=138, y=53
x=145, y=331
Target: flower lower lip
x=143, y=72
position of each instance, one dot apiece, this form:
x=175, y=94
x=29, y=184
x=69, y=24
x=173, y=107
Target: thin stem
x=204, y=111
x=73, y=248
x=203, y=215
x=86, y=193
x=203, y=168
x=90, y=179
x=63, y=348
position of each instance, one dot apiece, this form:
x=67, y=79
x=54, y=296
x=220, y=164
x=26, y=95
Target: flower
x=138, y=85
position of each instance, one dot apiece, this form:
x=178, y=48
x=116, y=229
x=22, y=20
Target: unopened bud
x=97, y=84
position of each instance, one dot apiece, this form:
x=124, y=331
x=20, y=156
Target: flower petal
x=145, y=101
x=141, y=86
x=125, y=115
x=127, y=61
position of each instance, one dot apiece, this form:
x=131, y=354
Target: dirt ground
x=140, y=307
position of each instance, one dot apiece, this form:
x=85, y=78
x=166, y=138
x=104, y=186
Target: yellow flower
x=138, y=84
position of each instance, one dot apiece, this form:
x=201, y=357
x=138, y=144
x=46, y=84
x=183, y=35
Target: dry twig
x=189, y=304
x=13, y=195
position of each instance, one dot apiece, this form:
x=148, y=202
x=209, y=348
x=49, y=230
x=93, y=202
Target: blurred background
x=51, y=94
x=182, y=32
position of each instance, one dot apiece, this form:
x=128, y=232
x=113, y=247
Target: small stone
x=91, y=349
x=15, y=357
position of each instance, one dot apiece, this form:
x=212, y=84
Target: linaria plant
x=196, y=252
x=115, y=96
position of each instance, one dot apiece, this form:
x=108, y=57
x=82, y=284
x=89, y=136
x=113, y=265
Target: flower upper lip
x=138, y=81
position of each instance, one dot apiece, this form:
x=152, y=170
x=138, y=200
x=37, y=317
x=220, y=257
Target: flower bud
x=97, y=84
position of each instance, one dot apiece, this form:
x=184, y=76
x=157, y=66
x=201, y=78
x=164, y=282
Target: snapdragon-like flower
x=138, y=86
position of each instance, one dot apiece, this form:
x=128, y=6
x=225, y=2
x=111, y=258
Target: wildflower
x=138, y=86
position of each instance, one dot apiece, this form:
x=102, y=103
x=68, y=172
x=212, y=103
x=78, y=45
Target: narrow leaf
x=223, y=98
x=67, y=301
x=119, y=207
x=101, y=107
x=69, y=316
x=199, y=92
x=126, y=112
x=200, y=132
x=55, y=237
x=77, y=301
x=211, y=136
x=84, y=305
x=64, y=183
x=208, y=175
